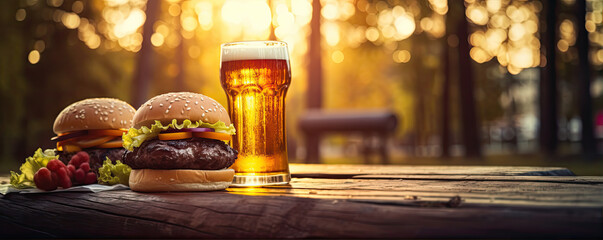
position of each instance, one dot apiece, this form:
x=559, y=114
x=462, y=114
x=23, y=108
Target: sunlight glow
x=130, y=24
x=250, y=18
x=331, y=32
x=204, y=12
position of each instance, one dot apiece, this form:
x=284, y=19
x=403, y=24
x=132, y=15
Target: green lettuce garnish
x=135, y=137
x=112, y=174
x=30, y=167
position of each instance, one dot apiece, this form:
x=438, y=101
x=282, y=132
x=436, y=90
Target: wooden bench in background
x=380, y=123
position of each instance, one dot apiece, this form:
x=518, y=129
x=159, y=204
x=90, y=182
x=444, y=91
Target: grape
x=64, y=181
x=43, y=180
x=54, y=165
x=84, y=156
x=90, y=178
x=76, y=160
x=55, y=178
x=80, y=175
x=85, y=166
x=71, y=171
x=61, y=172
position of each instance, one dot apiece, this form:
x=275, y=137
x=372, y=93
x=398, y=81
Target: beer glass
x=255, y=75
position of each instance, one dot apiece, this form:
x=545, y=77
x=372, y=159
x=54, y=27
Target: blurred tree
x=449, y=41
x=180, y=83
x=13, y=85
x=470, y=124
x=45, y=67
x=314, y=94
x=315, y=82
x=143, y=75
x=421, y=78
x=584, y=82
x=548, y=82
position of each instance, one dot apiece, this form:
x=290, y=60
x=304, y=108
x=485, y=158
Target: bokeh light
x=337, y=56
x=33, y=57
x=20, y=15
x=401, y=56
x=507, y=30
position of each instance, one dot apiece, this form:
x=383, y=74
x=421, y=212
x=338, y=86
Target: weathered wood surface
x=349, y=170
x=410, y=203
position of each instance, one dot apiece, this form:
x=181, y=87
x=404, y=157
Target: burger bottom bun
x=180, y=180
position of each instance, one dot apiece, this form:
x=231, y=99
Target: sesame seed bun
x=94, y=113
x=180, y=106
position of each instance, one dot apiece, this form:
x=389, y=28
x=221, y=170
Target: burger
x=95, y=126
x=178, y=142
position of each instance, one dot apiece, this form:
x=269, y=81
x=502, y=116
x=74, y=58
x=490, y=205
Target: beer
x=255, y=76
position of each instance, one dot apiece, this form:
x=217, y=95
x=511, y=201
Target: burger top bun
x=180, y=106
x=94, y=113
x=179, y=180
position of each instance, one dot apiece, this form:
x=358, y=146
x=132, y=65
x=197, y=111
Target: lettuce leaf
x=135, y=137
x=30, y=167
x=112, y=174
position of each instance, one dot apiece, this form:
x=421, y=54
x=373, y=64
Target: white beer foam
x=253, y=50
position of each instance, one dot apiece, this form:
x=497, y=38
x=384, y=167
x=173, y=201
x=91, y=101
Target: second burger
x=178, y=143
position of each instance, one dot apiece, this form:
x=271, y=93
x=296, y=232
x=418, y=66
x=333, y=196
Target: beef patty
x=191, y=153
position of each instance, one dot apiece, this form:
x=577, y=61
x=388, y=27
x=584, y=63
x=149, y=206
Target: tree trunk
x=144, y=69
x=420, y=76
x=180, y=56
x=548, y=83
x=314, y=96
x=470, y=124
x=445, y=106
x=585, y=99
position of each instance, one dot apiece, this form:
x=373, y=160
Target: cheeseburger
x=178, y=143
x=95, y=126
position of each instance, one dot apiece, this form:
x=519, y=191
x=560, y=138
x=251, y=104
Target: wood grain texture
x=348, y=170
x=434, y=202
x=422, y=192
x=220, y=215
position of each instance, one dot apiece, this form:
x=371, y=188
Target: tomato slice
x=87, y=141
x=213, y=135
x=106, y=132
x=68, y=148
x=175, y=136
x=70, y=140
x=112, y=144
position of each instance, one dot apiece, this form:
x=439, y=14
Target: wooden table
x=340, y=201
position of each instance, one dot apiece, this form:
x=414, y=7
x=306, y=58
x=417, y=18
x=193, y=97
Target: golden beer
x=255, y=76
